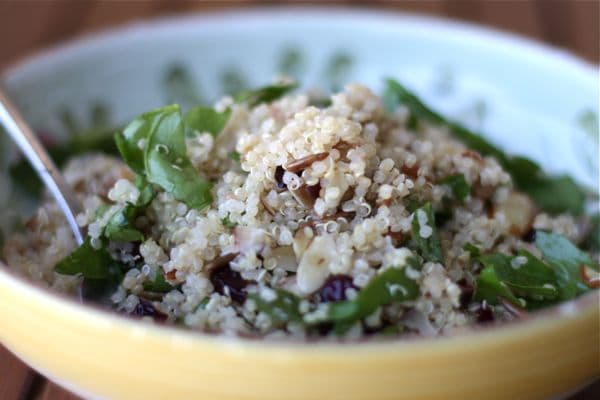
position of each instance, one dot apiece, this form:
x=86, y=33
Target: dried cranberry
x=466, y=293
x=334, y=288
x=412, y=172
x=145, y=309
x=529, y=236
x=279, y=171
x=484, y=314
x=224, y=277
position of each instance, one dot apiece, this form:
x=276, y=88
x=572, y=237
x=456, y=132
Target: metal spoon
x=38, y=157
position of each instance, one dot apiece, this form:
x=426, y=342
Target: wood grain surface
x=27, y=26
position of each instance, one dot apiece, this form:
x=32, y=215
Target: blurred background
x=27, y=26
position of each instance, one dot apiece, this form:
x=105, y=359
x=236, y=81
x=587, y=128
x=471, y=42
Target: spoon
x=38, y=157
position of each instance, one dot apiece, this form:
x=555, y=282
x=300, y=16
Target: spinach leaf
x=542, y=282
x=459, y=186
x=163, y=160
x=147, y=192
x=488, y=285
x=90, y=263
x=130, y=141
x=283, y=308
x=265, y=94
x=167, y=165
x=120, y=225
x=392, y=285
x=531, y=279
x=566, y=260
x=205, y=119
x=158, y=284
x=554, y=194
x=429, y=248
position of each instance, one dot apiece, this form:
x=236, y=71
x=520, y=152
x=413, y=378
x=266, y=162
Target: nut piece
x=304, y=162
x=519, y=211
x=313, y=268
x=589, y=276
x=302, y=239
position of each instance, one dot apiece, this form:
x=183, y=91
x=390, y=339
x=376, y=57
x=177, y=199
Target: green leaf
x=488, y=286
x=120, y=225
x=147, y=192
x=266, y=94
x=429, y=248
x=392, y=285
x=566, y=259
x=533, y=279
x=543, y=283
x=89, y=262
x=129, y=140
x=459, y=186
x=166, y=162
x=283, y=309
x=553, y=194
x=158, y=284
x=205, y=119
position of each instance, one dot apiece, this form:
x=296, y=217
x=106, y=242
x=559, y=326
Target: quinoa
x=322, y=203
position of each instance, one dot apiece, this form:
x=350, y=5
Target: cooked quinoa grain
x=343, y=221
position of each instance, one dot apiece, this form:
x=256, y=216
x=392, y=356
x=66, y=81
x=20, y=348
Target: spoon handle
x=41, y=162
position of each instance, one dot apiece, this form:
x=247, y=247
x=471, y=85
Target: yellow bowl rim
x=541, y=321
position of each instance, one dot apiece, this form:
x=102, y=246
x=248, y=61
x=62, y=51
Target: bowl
x=531, y=99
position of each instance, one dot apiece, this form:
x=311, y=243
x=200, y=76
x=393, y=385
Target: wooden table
x=32, y=25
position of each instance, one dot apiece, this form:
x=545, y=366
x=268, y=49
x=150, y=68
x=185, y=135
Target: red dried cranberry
x=484, y=314
x=466, y=293
x=224, y=277
x=334, y=288
x=279, y=171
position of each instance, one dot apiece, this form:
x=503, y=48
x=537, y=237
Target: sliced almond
x=285, y=257
x=302, y=239
x=304, y=162
x=313, y=268
x=517, y=312
x=266, y=205
x=220, y=261
x=307, y=195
